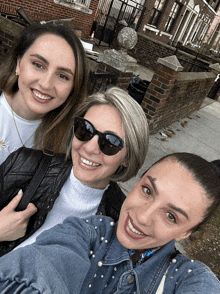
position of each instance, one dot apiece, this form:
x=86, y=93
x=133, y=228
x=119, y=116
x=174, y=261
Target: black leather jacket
x=16, y=173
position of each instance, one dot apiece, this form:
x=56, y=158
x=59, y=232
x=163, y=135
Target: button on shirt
x=85, y=256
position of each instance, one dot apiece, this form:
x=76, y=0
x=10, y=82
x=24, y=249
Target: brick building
x=185, y=21
x=215, y=40
x=82, y=11
x=213, y=34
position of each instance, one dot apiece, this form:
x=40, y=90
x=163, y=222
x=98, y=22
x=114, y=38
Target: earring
x=121, y=170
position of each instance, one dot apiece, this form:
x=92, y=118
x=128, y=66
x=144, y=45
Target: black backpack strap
x=36, y=180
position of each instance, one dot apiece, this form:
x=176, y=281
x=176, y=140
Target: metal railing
x=192, y=63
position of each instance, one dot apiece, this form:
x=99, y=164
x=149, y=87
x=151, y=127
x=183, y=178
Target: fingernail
x=20, y=191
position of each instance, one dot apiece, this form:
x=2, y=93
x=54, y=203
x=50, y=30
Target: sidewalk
x=198, y=133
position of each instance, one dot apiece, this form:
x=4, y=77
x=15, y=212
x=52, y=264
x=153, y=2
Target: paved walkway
x=198, y=133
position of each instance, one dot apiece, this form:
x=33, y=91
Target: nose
x=46, y=82
x=147, y=214
x=92, y=146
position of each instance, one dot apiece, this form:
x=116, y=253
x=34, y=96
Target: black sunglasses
x=109, y=144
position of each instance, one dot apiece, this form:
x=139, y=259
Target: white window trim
x=150, y=28
x=166, y=34
x=74, y=5
x=204, y=31
x=195, y=31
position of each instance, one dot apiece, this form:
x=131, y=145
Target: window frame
x=172, y=20
x=85, y=3
x=157, y=12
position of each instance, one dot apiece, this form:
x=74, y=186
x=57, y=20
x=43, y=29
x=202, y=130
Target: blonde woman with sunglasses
x=107, y=143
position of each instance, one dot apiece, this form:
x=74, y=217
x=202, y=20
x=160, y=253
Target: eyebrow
x=59, y=68
x=179, y=210
x=152, y=180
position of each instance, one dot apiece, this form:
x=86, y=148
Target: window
x=205, y=29
x=195, y=31
x=83, y=2
x=156, y=12
x=73, y=2
x=174, y=13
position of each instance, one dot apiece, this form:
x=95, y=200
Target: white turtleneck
x=75, y=199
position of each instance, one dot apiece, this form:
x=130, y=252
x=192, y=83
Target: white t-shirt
x=75, y=199
x=9, y=138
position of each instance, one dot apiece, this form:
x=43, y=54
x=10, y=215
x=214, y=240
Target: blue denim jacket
x=85, y=257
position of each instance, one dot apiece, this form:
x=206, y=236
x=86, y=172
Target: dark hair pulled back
x=207, y=174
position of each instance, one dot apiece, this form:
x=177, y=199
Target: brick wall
x=123, y=79
x=47, y=9
x=9, y=31
x=172, y=94
x=148, y=50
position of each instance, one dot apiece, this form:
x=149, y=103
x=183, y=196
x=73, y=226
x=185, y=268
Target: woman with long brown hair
x=42, y=80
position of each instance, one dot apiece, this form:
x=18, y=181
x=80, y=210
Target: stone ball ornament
x=127, y=38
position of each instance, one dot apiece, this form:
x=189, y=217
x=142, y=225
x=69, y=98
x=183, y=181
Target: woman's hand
x=13, y=224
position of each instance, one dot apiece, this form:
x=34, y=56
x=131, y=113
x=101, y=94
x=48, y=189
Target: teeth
x=41, y=96
x=89, y=162
x=133, y=229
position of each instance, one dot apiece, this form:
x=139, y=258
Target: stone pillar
x=159, y=89
x=215, y=68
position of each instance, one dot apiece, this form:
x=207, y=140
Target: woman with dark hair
x=135, y=255
x=43, y=80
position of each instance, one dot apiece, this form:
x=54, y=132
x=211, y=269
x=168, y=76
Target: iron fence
x=192, y=65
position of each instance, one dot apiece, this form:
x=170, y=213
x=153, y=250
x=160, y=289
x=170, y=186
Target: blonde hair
x=134, y=123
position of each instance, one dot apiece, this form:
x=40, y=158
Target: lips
x=89, y=163
x=132, y=230
x=41, y=95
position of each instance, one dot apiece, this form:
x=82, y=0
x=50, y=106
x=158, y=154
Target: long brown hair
x=51, y=132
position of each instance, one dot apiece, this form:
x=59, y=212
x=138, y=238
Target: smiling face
x=45, y=77
x=163, y=206
x=91, y=166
